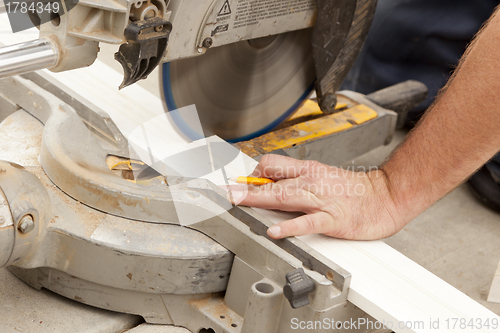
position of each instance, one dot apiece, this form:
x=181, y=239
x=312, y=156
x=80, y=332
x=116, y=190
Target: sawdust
x=20, y=139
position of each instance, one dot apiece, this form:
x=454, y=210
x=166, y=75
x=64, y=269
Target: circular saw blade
x=242, y=90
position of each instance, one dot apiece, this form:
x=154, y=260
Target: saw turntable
x=79, y=222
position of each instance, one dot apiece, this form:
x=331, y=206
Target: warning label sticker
x=235, y=20
x=225, y=10
x=250, y=12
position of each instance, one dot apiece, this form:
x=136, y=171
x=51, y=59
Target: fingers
x=317, y=223
x=284, y=195
x=281, y=167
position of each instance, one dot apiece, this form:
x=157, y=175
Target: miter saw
x=77, y=225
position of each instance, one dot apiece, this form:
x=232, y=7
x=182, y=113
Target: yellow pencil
x=252, y=180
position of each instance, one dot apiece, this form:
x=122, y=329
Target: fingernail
x=275, y=231
x=236, y=197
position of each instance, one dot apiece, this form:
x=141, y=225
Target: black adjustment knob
x=328, y=103
x=298, y=287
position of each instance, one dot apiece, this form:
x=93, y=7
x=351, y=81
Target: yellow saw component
x=311, y=108
x=242, y=90
x=307, y=131
x=121, y=163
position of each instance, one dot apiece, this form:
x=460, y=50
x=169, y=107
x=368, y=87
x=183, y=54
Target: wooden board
x=387, y=285
x=392, y=288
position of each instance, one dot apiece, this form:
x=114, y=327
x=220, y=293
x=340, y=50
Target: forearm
x=459, y=133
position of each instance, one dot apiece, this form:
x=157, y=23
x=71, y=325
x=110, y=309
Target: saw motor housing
x=196, y=25
x=154, y=31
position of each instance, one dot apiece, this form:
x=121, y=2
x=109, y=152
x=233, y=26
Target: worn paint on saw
x=307, y=131
x=311, y=108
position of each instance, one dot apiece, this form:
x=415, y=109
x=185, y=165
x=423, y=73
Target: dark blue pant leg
x=416, y=39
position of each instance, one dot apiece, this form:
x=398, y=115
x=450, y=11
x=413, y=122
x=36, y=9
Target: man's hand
x=336, y=202
x=459, y=133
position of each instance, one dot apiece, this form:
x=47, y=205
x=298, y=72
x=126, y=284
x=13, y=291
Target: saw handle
x=401, y=98
x=27, y=57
